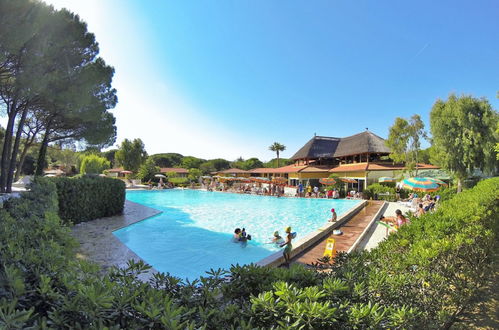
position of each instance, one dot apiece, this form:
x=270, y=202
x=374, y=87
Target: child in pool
x=277, y=239
x=289, y=247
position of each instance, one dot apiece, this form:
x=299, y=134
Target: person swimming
x=277, y=239
x=240, y=236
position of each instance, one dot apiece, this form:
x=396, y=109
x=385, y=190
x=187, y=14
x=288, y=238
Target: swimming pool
x=193, y=234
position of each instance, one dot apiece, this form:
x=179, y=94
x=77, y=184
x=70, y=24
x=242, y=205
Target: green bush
x=93, y=164
x=377, y=191
x=423, y=276
x=89, y=197
x=182, y=182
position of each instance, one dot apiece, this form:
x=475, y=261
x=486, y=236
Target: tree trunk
x=15, y=151
x=416, y=162
x=41, y=154
x=30, y=139
x=7, y=145
x=277, y=158
x=459, y=185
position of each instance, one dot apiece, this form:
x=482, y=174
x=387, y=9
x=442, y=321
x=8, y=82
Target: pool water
x=194, y=232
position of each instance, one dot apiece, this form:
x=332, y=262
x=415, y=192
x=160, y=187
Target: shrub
x=423, y=276
x=89, y=197
x=93, y=164
x=378, y=191
x=148, y=170
x=178, y=181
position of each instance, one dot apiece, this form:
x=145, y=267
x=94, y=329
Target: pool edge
x=276, y=258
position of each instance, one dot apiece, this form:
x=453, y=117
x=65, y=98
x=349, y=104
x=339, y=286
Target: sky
x=228, y=78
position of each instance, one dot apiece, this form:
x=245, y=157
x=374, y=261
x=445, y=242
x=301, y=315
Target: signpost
x=330, y=250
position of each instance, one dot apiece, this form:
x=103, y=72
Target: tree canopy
x=463, y=135
x=131, y=154
x=52, y=80
x=93, y=164
x=404, y=140
x=277, y=148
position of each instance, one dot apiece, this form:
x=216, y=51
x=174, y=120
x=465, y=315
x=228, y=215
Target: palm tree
x=277, y=147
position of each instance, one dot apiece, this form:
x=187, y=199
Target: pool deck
x=353, y=230
x=98, y=243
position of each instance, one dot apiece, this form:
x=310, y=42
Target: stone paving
x=97, y=242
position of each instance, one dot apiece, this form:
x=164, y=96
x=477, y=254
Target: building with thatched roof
x=362, y=157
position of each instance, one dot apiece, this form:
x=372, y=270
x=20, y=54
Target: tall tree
x=277, y=147
x=49, y=70
x=131, y=154
x=463, y=138
x=404, y=141
x=167, y=160
x=189, y=162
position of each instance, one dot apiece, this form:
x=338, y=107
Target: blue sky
x=228, y=78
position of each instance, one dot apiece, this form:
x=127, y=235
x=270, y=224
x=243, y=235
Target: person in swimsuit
x=277, y=239
x=289, y=247
x=333, y=216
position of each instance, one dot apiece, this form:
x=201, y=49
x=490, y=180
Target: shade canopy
x=126, y=172
x=386, y=179
x=327, y=181
x=159, y=176
x=279, y=179
x=348, y=180
x=260, y=179
x=420, y=184
x=438, y=181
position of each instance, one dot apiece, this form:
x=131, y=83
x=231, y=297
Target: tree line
x=464, y=134
x=54, y=88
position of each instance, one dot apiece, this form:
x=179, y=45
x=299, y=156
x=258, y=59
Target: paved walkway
x=352, y=230
x=98, y=243
x=377, y=233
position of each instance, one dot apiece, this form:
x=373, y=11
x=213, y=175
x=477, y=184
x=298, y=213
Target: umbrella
x=438, y=181
x=327, y=181
x=420, y=184
x=386, y=179
x=126, y=172
x=279, y=179
x=206, y=177
x=102, y=175
x=159, y=176
x=348, y=180
x=260, y=179
x=242, y=179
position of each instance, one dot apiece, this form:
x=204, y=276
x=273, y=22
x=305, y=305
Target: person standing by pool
x=300, y=190
x=289, y=247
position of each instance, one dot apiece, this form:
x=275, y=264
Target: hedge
x=423, y=276
x=89, y=197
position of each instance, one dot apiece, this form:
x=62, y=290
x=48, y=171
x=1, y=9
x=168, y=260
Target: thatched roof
x=365, y=142
x=317, y=147
x=329, y=147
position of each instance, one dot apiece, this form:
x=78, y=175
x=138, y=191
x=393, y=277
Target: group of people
x=423, y=205
x=240, y=236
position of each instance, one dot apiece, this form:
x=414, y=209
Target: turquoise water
x=194, y=232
